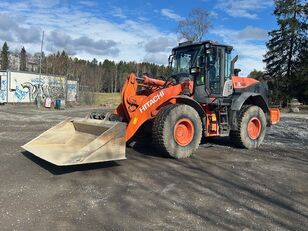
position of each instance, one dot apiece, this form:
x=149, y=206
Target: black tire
x=241, y=137
x=164, y=130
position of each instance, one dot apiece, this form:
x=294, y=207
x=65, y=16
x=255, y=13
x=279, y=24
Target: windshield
x=185, y=58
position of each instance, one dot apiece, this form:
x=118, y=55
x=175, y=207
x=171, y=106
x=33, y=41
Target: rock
x=295, y=109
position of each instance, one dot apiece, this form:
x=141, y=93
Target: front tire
x=177, y=130
x=251, y=128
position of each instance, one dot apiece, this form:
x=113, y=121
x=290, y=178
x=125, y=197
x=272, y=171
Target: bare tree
x=195, y=25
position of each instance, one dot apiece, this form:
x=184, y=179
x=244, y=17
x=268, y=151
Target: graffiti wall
x=26, y=87
x=20, y=87
x=3, y=87
x=71, y=90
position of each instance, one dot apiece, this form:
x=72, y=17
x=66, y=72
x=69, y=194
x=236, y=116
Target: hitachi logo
x=151, y=101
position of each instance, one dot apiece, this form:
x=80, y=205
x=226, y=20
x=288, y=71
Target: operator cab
x=208, y=64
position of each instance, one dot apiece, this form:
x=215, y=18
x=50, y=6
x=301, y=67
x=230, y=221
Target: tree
x=258, y=75
x=299, y=85
x=23, y=59
x=286, y=44
x=5, y=57
x=195, y=25
x=63, y=63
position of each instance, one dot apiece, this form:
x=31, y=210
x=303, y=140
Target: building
x=32, y=62
x=14, y=62
x=25, y=87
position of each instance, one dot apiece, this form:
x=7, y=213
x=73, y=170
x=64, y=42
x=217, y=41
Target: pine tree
x=299, y=85
x=5, y=57
x=286, y=44
x=23, y=59
x=63, y=63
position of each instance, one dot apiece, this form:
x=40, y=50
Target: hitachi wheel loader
x=203, y=97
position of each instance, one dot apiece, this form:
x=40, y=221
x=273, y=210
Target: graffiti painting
x=3, y=90
x=28, y=87
x=44, y=90
x=20, y=94
x=71, y=91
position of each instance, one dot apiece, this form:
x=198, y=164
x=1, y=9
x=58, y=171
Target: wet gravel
x=219, y=188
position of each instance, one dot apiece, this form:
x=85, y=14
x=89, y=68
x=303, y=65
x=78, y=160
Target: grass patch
x=107, y=99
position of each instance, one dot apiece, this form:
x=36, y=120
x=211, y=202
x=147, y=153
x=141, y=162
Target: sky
x=134, y=30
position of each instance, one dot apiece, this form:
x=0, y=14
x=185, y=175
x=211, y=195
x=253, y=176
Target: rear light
x=274, y=115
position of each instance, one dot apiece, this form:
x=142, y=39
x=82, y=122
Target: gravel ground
x=219, y=188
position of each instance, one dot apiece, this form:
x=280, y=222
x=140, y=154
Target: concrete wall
x=72, y=88
x=20, y=87
x=3, y=87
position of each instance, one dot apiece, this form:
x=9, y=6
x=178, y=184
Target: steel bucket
x=80, y=141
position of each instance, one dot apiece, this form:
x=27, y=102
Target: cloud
x=28, y=35
x=6, y=36
x=213, y=14
x=243, y=8
x=159, y=58
x=12, y=32
x=59, y=38
x=118, y=12
x=248, y=43
x=246, y=34
x=6, y=22
x=83, y=32
x=170, y=14
x=99, y=47
x=160, y=44
x=62, y=41
x=252, y=33
x=87, y=3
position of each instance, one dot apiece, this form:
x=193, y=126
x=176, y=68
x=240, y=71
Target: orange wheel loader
x=204, y=97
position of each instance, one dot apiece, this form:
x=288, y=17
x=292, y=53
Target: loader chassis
x=202, y=98
x=203, y=79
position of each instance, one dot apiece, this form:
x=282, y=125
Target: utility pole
x=39, y=90
x=116, y=77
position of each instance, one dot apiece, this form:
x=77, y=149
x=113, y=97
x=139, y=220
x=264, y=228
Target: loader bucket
x=80, y=141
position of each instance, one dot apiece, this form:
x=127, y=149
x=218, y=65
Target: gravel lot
x=219, y=188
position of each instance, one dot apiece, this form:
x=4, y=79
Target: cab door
x=215, y=71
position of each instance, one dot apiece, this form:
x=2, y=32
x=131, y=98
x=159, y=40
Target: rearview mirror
x=170, y=59
x=194, y=70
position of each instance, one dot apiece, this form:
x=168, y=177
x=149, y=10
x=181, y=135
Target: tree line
x=106, y=76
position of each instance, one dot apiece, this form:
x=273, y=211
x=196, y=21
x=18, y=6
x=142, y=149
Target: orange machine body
x=140, y=104
x=143, y=97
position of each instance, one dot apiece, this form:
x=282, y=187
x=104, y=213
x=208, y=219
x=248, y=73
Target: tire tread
x=235, y=135
x=159, y=125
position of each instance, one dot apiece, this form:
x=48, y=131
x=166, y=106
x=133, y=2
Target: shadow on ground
x=59, y=170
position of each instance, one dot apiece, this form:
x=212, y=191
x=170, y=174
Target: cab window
x=227, y=65
x=214, y=69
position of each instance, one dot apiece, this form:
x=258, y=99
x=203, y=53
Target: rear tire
x=177, y=130
x=251, y=128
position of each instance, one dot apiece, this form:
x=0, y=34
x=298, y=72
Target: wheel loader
x=203, y=97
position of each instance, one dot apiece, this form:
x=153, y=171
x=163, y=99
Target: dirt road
x=220, y=187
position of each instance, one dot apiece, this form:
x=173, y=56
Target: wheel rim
x=254, y=128
x=183, y=132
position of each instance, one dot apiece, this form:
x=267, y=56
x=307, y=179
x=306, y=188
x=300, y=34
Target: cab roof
x=191, y=43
